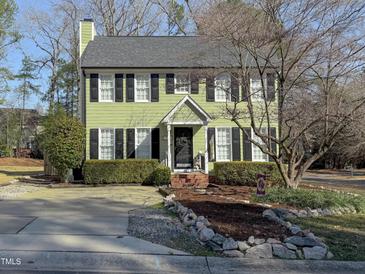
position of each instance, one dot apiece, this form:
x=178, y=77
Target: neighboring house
x=145, y=97
x=10, y=134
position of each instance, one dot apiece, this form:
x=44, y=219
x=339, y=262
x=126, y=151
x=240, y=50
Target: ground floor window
x=143, y=143
x=106, y=141
x=223, y=144
x=257, y=154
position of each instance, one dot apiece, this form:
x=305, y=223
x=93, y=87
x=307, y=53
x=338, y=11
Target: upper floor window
x=222, y=87
x=223, y=144
x=256, y=88
x=142, y=87
x=143, y=143
x=182, y=83
x=106, y=88
x=106, y=144
x=257, y=154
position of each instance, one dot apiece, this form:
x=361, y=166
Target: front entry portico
x=186, y=122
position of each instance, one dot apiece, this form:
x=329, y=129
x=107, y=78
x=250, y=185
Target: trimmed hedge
x=161, y=176
x=119, y=171
x=243, y=173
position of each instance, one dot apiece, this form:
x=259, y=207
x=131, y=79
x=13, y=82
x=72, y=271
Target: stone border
x=302, y=245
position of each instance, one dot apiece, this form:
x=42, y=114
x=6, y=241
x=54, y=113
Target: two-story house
x=145, y=97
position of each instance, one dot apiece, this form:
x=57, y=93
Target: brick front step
x=192, y=180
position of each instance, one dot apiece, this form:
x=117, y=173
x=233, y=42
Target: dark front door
x=183, y=147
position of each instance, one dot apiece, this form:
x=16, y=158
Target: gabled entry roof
x=187, y=111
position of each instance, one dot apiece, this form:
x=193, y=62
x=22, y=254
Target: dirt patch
x=20, y=162
x=227, y=210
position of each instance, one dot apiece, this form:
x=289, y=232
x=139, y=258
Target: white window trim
x=253, y=146
x=216, y=150
x=260, y=98
x=215, y=88
x=135, y=87
x=99, y=142
x=182, y=92
x=99, y=89
x=135, y=143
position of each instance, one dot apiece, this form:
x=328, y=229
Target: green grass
x=345, y=235
x=312, y=198
x=8, y=173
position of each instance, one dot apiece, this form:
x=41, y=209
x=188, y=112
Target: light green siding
x=135, y=114
x=86, y=34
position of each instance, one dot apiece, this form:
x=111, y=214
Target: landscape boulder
x=302, y=241
x=206, y=234
x=263, y=251
x=283, y=252
x=314, y=253
x=230, y=244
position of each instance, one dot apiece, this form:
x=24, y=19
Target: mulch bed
x=225, y=208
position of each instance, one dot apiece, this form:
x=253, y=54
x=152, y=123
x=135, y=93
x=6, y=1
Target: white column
x=206, y=150
x=169, y=162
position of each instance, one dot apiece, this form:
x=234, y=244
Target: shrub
x=5, y=151
x=161, y=176
x=63, y=140
x=119, y=171
x=243, y=173
x=311, y=198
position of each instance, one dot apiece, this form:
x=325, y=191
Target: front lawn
x=8, y=173
x=312, y=198
x=345, y=235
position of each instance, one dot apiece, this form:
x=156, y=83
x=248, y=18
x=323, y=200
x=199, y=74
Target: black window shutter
x=131, y=143
x=211, y=144
x=155, y=142
x=270, y=78
x=194, y=83
x=118, y=143
x=170, y=85
x=210, y=89
x=154, y=87
x=273, y=144
x=236, y=144
x=130, y=87
x=245, y=88
x=94, y=143
x=235, y=88
x=94, y=87
x=247, y=146
x=118, y=87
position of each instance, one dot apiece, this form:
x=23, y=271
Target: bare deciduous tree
x=47, y=32
x=125, y=17
x=315, y=49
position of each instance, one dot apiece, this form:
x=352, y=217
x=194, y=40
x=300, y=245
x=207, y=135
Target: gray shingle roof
x=155, y=52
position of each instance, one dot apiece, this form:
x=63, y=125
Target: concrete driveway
x=85, y=219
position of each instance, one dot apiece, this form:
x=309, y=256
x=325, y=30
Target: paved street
x=84, y=230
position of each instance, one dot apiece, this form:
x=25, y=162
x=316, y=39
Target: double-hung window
x=257, y=154
x=106, y=88
x=143, y=143
x=256, y=89
x=106, y=144
x=222, y=87
x=182, y=83
x=142, y=87
x=223, y=144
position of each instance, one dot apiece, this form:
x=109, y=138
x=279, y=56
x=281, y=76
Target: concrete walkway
x=80, y=262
